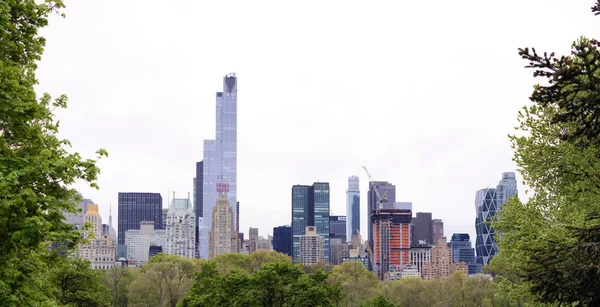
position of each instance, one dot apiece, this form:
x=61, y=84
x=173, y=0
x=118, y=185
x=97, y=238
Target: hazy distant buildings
x=352, y=208
x=219, y=167
x=135, y=208
x=441, y=265
x=282, y=240
x=405, y=205
x=337, y=227
x=222, y=238
x=487, y=203
x=387, y=191
x=312, y=247
x=100, y=250
x=310, y=207
x=391, y=239
x=463, y=252
x=139, y=241
x=180, y=235
x=252, y=238
x=437, y=229
x=77, y=219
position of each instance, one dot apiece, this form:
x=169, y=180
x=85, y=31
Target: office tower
x=77, y=219
x=406, y=205
x=219, y=167
x=165, y=211
x=391, y=239
x=487, y=203
x=312, y=246
x=154, y=250
x=263, y=244
x=198, y=208
x=101, y=250
x=463, y=252
x=237, y=225
x=240, y=241
x=310, y=207
x=337, y=227
x=180, y=235
x=352, y=208
x=437, y=229
x=139, y=242
x=441, y=265
x=282, y=239
x=222, y=237
x=137, y=207
x=252, y=237
x=422, y=229
x=387, y=191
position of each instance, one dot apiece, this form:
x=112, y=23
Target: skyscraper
x=337, y=227
x=77, y=219
x=282, y=240
x=441, y=265
x=101, y=250
x=487, y=203
x=463, y=252
x=422, y=229
x=219, y=167
x=391, y=239
x=137, y=207
x=222, y=237
x=437, y=229
x=311, y=247
x=198, y=208
x=352, y=208
x=387, y=191
x=180, y=236
x=310, y=207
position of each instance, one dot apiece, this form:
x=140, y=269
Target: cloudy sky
x=422, y=93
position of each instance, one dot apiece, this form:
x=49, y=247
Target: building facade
x=135, y=208
x=463, y=252
x=392, y=239
x=219, y=167
x=78, y=218
x=100, y=250
x=282, y=239
x=198, y=198
x=310, y=207
x=139, y=241
x=441, y=265
x=337, y=227
x=352, y=208
x=487, y=203
x=437, y=229
x=387, y=191
x=422, y=229
x=222, y=238
x=180, y=235
x=312, y=247
x=420, y=255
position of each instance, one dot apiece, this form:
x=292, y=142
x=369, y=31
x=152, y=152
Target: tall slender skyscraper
x=310, y=207
x=487, y=203
x=352, y=208
x=219, y=167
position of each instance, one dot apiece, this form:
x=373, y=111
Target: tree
x=36, y=169
x=76, y=284
x=558, y=151
x=379, y=301
x=119, y=279
x=358, y=283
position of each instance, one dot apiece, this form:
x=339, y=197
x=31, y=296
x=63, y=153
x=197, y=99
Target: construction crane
x=379, y=197
x=367, y=247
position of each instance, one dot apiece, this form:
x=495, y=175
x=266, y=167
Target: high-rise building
x=180, y=235
x=352, y=208
x=237, y=226
x=165, y=211
x=387, y=191
x=422, y=229
x=253, y=238
x=441, y=265
x=77, y=219
x=310, y=207
x=219, y=167
x=282, y=239
x=406, y=205
x=101, y=250
x=463, y=252
x=139, y=241
x=222, y=238
x=487, y=203
x=312, y=246
x=419, y=255
x=337, y=227
x=135, y=208
x=437, y=229
x=198, y=208
x=391, y=244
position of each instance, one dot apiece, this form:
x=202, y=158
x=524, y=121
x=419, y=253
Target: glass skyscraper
x=487, y=203
x=136, y=207
x=310, y=207
x=352, y=208
x=387, y=191
x=219, y=167
x=282, y=240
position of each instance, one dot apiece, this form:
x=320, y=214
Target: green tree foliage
x=379, y=301
x=36, y=169
x=548, y=250
x=76, y=284
x=278, y=283
x=118, y=280
x=358, y=283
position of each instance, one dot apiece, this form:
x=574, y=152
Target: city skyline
x=443, y=139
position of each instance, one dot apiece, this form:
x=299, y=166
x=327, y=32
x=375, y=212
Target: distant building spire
x=110, y=216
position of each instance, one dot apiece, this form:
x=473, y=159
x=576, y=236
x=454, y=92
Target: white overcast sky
x=423, y=93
